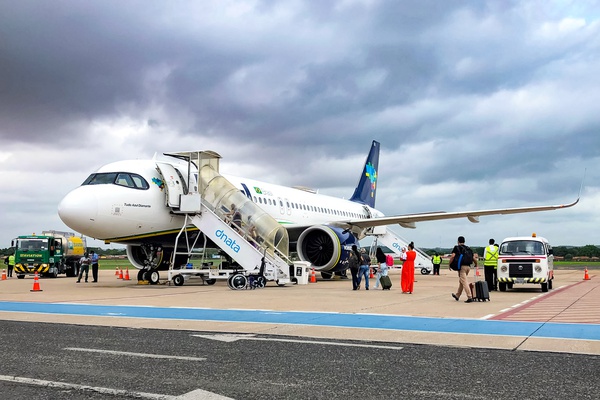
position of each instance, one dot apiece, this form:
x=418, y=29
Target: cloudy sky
x=477, y=104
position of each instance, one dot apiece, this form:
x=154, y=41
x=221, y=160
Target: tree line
x=568, y=252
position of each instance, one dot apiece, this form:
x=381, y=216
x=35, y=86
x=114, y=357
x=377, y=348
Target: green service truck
x=48, y=254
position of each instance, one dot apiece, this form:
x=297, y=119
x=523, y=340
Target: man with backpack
x=461, y=260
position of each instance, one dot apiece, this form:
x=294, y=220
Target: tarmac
x=565, y=319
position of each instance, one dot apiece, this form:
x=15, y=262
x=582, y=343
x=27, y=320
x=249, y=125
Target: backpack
x=352, y=261
x=389, y=260
x=465, y=258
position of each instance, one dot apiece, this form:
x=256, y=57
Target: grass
x=124, y=263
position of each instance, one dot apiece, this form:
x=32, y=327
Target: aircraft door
x=172, y=182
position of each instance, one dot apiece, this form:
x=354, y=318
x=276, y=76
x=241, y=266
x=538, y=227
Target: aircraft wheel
x=502, y=286
x=20, y=276
x=326, y=275
x=424, y=271
x=545, y=287
x=210, y=281
x=141, y=275
x=238, y=282
x=153, y=277
x=178, y=280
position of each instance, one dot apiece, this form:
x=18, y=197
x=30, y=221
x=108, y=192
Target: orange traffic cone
x=313, y=277
x=586, y=276
x=117, y=271
x=120, y=274
x=3, y=274
x=371, y=276
x=477, y=272
x=126, y=278
x=36, y=284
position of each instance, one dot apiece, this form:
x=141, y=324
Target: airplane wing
x=408, y=220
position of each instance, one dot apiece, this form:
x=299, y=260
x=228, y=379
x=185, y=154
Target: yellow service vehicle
x=525, y=259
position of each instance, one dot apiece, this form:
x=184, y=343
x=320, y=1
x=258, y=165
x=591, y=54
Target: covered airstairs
x=254, y=242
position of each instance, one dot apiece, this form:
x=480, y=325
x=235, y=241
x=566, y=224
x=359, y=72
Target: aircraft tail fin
x=367, y=184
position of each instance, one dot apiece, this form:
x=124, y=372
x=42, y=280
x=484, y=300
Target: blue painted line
x=371, y=321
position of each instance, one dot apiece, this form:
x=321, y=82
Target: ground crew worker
x=436, y=261
x=490, y=265
x=11, y=265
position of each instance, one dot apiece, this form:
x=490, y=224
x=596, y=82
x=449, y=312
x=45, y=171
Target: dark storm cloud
x=498, y=96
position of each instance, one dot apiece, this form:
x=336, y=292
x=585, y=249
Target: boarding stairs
x=258, y=246
x=396, y=243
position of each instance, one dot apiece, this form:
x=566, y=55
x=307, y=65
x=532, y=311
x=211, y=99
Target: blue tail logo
x=366, y=190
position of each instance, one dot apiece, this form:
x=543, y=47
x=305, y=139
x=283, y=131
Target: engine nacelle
x=152, y=257
x=325, y=247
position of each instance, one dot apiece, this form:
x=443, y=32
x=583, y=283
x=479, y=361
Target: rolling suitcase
x=386, y=282
x=481, y=291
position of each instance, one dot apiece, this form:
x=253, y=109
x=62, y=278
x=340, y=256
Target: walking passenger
x=383, y=267
x=365, y=262
x=354, y=265
x=463, y=270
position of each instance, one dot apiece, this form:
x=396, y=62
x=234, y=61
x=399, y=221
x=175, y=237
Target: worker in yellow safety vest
x=11, y=265
x=490, y=265
x=436, y=260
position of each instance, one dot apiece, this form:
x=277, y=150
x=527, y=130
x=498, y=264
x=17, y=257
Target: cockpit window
x=117, y=178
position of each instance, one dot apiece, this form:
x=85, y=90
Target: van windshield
x=530, y=247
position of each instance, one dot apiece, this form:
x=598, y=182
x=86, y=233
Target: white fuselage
x=115, y=213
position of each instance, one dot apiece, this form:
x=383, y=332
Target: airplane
x=131, y=202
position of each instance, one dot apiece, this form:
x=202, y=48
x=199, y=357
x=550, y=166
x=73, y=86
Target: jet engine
x=325, y=247
x=152, y=257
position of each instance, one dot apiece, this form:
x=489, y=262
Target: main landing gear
x=150, y=275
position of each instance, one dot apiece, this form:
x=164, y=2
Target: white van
x=525, y=259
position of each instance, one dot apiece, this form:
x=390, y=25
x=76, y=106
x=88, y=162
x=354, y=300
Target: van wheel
x=545, y=287
x=502, y=286
x=424, y=271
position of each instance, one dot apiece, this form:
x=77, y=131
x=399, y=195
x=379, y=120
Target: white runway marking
x=233, y=338
x=126, y=353
x=198, y=394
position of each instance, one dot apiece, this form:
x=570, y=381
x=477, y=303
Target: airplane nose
x=79, y=209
